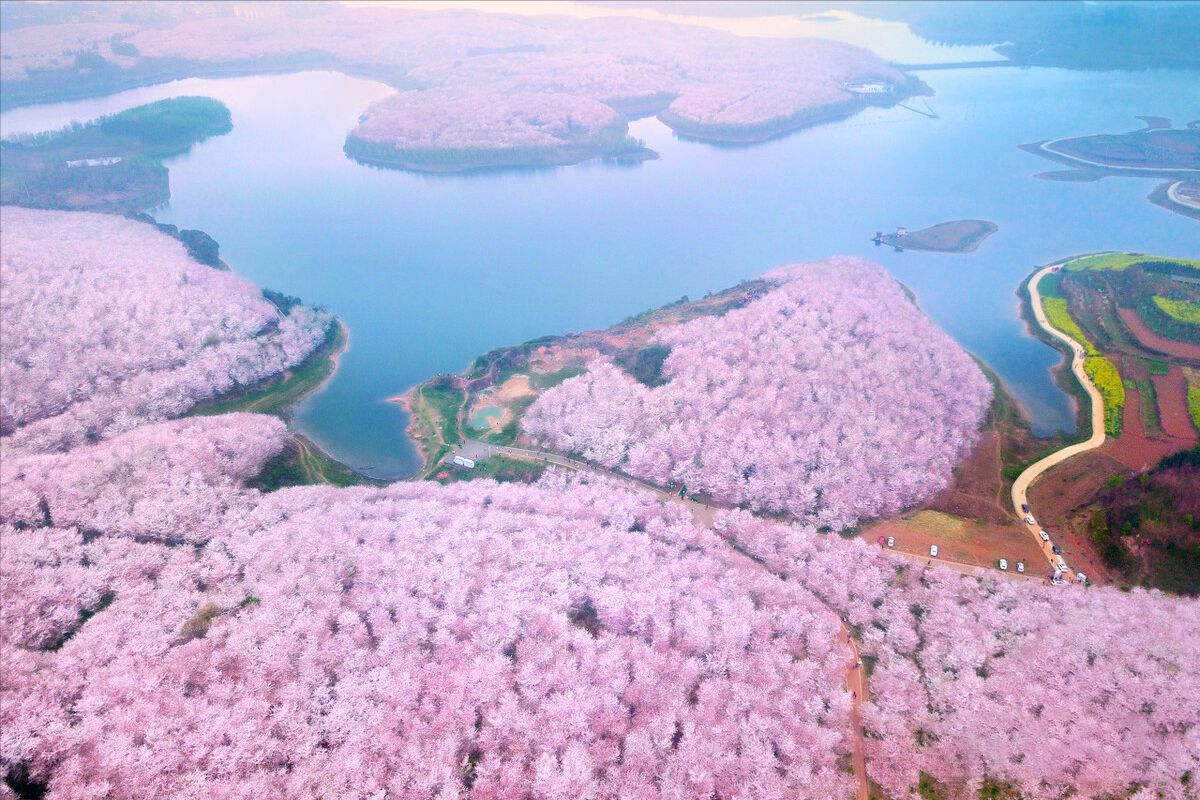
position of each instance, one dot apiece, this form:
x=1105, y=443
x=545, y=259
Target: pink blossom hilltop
x=99, y=339
x=169, y=632
x=832, y=398
x=704, y=82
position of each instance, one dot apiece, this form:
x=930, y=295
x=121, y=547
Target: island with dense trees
x=1156, y=150
x=440, y=131
x=113, y=163
x=474, y=86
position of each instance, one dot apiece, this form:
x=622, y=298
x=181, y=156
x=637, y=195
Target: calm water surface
x=430, y=271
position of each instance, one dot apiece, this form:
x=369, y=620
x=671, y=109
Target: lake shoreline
x=785, y=126
x=565, y=157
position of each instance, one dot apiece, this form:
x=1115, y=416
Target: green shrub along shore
x=113, y=163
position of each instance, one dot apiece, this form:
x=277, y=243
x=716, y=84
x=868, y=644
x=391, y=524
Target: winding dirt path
x=856, y=684
x=1049, y=148
x=1021, y=485
x=1177, y=197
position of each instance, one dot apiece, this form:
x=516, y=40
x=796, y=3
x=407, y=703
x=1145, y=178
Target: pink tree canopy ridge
x=108, y=323
x=832, y=398
x=169, y=632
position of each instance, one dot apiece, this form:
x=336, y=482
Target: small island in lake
x=111, y=164
x=1157, y=150
x=454, y=131
x=956, y=236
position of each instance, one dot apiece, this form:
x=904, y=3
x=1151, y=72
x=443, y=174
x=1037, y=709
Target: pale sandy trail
x=1176, y=197
x=856, y=684
x=1047, y=147
x=1021, y=485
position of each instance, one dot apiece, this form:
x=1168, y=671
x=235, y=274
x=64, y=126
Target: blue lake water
x=430, y=271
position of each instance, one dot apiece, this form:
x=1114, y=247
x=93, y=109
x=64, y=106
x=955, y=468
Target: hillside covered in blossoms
x=494, y=85
x=108, y=323
x=170, y=632
x=831, y=398
x=456, y=129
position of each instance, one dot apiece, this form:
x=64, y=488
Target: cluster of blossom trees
x=465, y=127
x=168, y=632
x=832, y=398
x=707, y=83
x=1056, y=691
x=558, y=641
x=107, y=323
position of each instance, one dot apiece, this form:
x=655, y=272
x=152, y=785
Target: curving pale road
x=1175, y=197
x=1047, y=147
x=1021, y=485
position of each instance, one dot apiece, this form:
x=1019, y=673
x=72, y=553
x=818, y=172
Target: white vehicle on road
x=1030, y=520
x=1004, y=564
x=891, y=541
x=1045, y=536
x=933, y=550
x=1021, y=567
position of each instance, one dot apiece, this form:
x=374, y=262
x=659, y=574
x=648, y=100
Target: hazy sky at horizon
x=891, y=40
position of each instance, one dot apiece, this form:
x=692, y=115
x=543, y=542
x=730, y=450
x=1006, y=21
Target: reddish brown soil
x=1071, y=484
x=1134, y=448
x=1074, y=540
x=976, y=490
x=1155, y=342
x=1063, y=489
x=980, y=544
x=1172, y=406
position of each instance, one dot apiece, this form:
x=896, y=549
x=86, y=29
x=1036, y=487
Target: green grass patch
x=163, y=128
x=283, y=392
x=1123, y=261
x=1156, y=367
x=548, y=380
x=1183, y=311
x=1050, y=285
x=644, y=364
x=498, y=468
x=305, y=464
x=1148, y=410
x=444, y=403
x=1193, y=395
x=110, y=164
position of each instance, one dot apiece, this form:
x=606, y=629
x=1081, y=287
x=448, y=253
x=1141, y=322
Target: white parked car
x=1029, y=519
x=1004, y=564
x=933, y=549
x=1045, y=536
x=891, y=541
x=1062, y=565
x=1021, y=566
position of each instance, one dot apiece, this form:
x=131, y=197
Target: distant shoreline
x=558, y=158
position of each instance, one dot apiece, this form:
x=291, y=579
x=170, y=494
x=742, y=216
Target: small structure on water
x=95, y=162
x=869, y=87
